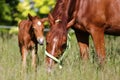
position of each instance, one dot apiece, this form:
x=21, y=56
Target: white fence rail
x=10, y=27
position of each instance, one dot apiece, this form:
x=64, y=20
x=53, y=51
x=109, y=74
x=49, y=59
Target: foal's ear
x=30, y=17
x=51, y=19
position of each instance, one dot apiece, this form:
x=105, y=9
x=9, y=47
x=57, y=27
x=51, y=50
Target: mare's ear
x=44, y=19
x=70, y=23
x=30, y=17
x=51, y=19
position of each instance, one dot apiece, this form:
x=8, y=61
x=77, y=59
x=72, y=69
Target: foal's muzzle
x=40, y=40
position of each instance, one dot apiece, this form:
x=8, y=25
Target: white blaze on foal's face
x=39, y=23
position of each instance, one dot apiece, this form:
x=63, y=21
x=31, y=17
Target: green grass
x=73, y=67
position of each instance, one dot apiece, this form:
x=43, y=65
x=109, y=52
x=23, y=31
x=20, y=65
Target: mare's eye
x=47, y=42
x=64, y=46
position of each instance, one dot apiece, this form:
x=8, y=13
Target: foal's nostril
x=40, y=41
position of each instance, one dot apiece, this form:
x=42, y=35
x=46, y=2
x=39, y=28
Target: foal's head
x=37, y=27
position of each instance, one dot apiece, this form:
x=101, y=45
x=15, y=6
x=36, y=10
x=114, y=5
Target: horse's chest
x=31, y=45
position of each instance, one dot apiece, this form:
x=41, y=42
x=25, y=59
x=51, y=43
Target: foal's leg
x=98, y=39
x=83, y=41
x=34, y=57
x=24, y=53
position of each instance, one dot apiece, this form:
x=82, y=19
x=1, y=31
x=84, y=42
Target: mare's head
x=56, y=38
x=37, y=28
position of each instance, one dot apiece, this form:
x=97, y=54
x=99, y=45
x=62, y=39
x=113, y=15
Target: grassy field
x=73, y=67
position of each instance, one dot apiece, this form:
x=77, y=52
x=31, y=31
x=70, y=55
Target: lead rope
x=59, y=61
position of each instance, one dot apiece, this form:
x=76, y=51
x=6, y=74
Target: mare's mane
x=59, y=9
x=60, y=12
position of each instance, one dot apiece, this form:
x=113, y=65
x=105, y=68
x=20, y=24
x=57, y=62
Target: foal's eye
x=33, y=28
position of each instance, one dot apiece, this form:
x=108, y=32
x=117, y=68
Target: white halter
x=58, y=20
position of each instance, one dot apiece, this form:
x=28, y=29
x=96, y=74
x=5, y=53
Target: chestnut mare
x=29, y=35
x=94, y=17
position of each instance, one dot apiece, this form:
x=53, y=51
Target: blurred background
x=74, y=68
x=13, y=11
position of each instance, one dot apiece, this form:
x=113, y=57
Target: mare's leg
x=50, y=62
x=83, y=41
x=97, y=34
x=24, y=53
x=34, y=57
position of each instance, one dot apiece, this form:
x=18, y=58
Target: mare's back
x=100, y=11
